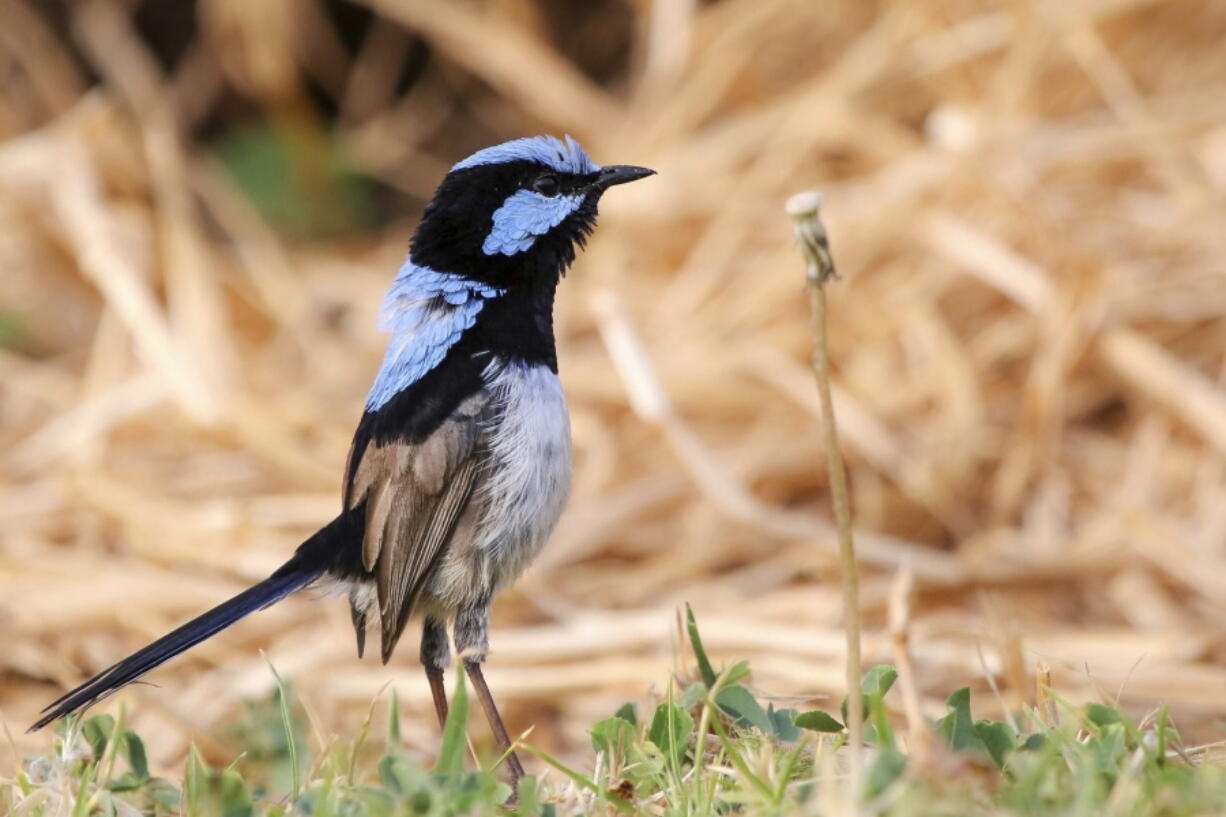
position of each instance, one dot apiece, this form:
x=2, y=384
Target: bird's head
x=515, y=211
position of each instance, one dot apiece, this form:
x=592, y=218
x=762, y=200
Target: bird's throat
x=518, y=325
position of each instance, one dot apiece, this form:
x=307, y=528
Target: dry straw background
x=1026, y=201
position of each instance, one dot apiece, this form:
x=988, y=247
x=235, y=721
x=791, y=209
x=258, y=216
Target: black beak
x=620, y=174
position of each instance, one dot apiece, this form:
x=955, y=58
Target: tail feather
x=308, y=563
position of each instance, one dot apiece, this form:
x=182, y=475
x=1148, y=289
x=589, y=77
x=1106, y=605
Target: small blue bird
x=461, y=463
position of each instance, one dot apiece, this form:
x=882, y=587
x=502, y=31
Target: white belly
x=518, y=501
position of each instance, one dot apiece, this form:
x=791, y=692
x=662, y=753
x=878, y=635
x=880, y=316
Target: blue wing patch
x=426, y=312
x=523, y=217
x=564, y=157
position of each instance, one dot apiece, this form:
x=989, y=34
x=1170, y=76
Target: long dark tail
x=312, y=558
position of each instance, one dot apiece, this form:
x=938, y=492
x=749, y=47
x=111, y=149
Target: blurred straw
x=192, y=290
x=524, y=68
x=651, y=404
x=78, y=201
x=919, y=734
x=1030, y=341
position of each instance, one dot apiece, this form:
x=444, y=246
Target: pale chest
x=530, y=460
x=524, y=487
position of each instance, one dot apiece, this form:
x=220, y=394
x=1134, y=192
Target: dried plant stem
x=919, y=736
x=803, y=208
x=1044, y=704
x=847, y=547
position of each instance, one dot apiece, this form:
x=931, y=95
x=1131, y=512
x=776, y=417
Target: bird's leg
x=496, y=726
x=435, y=656
x=472, y=642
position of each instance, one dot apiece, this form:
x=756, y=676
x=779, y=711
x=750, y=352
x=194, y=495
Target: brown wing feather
x=415, y=495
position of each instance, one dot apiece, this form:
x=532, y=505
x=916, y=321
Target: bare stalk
x=819, y=266
x=919, y=736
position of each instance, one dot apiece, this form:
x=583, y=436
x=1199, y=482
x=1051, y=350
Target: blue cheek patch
x=525, y=216
x=426, y=312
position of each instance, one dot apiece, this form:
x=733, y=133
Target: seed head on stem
x=819, y=267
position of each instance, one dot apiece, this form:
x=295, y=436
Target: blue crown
x=564, y=157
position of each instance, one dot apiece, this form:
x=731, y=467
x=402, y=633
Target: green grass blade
x=287, y=723
x=393, y=723
x=83, y=802
x=450, y=761
x=700, y=654
x=732, y=750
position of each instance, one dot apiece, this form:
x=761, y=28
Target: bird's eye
x=546, y=185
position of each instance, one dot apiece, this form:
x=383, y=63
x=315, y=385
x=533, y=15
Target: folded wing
x=415, y=494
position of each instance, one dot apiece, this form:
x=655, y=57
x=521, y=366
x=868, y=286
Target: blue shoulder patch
x=523, y=217
x=426, y=312
x=564, y=157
